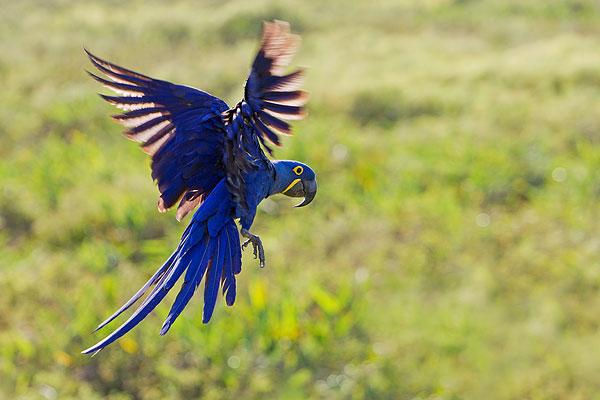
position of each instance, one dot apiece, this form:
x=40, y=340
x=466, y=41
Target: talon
x=257, y=247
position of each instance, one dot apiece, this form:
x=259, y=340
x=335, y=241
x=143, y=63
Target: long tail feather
x=192, y=280
x=216, y=257
x=213, y=278
x=152, y=281
x=156, y=279
x=147, y=306
x=228, y=279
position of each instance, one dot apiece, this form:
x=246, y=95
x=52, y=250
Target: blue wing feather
x=270, y=97
x=171, y=122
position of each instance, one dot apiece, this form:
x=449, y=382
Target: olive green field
x=452, y=251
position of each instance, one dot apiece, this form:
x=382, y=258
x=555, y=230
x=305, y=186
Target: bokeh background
x=452, y=251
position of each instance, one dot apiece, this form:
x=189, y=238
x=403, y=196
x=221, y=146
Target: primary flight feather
x=209, y=156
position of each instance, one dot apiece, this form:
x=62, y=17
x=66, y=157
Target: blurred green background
x=452, y=251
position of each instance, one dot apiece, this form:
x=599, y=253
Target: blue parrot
x=210, y=156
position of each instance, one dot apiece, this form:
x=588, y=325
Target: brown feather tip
x=279, y=44
x=186, y=206
x=161, y=205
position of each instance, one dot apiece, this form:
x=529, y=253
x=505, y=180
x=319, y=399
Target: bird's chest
x=257, y=184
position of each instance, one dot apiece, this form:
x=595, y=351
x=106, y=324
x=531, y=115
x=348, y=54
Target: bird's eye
x=298, y=170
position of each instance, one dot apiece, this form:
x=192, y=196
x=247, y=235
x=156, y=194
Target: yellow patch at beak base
x=291, y=185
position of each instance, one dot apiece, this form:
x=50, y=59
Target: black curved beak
x=309, y=192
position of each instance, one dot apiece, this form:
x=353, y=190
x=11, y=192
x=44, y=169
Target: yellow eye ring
x=298, y=170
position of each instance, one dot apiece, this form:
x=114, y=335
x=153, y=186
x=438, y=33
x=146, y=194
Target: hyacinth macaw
x=208, y=155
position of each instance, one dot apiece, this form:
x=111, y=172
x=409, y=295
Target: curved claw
x=257, y=247
x=246, y=243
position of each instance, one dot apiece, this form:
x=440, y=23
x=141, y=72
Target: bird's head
x=295, y=179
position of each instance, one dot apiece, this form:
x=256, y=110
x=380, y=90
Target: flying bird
x=211, y=157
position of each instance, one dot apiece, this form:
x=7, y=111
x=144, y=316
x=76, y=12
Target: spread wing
x=180, y=127
x=271, y=98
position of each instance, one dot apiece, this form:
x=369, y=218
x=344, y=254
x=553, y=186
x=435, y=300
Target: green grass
x=452, y=251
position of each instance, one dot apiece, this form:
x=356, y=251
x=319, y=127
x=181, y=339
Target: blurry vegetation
x=385, y=108
x=247, y=25
x=453, y=249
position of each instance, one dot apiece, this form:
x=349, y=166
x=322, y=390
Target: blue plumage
x=208, y=156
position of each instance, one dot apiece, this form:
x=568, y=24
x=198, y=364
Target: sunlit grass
x=452, y=249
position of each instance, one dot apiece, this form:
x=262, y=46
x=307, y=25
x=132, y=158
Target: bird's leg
x=259, y=251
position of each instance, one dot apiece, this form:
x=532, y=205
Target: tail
x=210, y=245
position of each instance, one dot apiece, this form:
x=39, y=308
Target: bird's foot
x=259, y=251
